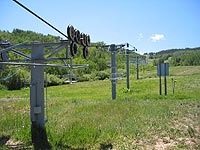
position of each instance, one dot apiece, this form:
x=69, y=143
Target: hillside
x=98, y=61
x=178, y=57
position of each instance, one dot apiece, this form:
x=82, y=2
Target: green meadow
x=83, y=115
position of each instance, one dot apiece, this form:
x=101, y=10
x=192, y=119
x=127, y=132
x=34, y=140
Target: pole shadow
x=39, y=138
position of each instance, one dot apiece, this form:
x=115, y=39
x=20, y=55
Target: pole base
x=39, y=137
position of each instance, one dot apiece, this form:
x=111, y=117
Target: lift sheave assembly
x=76, y=37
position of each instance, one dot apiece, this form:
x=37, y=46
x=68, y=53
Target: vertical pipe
x=165, y=83
x=113, y=70
x=137, y=68
x=127, y=70
x=70, y=76
x=67, y=52
x=165, y=78
x=160, y=83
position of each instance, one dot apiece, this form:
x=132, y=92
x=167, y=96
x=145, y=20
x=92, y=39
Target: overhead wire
x=30, y=11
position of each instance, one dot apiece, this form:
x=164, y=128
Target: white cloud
x=157, y=37
x=140, y=36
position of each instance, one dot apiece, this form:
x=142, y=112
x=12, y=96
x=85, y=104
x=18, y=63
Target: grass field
x=83, y=116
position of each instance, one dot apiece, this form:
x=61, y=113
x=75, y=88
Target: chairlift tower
x=37, y=61
x=114, y=49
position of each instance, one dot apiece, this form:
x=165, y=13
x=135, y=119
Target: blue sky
x=149, y=25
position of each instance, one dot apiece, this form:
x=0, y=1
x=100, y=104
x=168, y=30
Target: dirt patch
x=13, y=144
x=164, y=143
x=183, y=133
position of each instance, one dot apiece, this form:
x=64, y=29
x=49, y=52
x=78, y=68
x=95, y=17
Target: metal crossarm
x=11, y=47
x=56, y=50
x=21, y=54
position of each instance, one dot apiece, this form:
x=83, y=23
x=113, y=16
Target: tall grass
x=82, y=115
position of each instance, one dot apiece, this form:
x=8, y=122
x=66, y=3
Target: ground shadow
x=106, y=146
x=3, y=140
x=39, y=138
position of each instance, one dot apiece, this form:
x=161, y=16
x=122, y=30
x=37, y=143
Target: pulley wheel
x=85, y=52
x=71, y=32
x=87, y=40
x=73, y=49
x=77, y=36
x=83, y=39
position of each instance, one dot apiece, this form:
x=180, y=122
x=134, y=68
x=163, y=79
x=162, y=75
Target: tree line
x=178, y=57
x=98, y=62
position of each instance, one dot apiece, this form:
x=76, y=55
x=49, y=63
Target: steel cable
x=30, y=11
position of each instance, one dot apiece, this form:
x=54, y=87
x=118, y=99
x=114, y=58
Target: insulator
x=73, y=49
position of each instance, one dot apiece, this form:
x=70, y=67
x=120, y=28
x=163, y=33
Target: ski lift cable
x=30, y=11
x=46, y=103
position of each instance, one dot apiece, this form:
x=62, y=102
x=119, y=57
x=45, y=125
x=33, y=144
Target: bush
x=98, y=75
x=2, y=87
x=53, y=80
x=16, y=79
x=85, y=77
x=101, y=75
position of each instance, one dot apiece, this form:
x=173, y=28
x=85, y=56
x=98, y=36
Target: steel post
x=160, y=85
x=137, y=67
x=165, y=78
x=165, y=84
x=113, y=70
x=127, y=70
x=37, y=87
x=160, y=79
x=70, y=76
